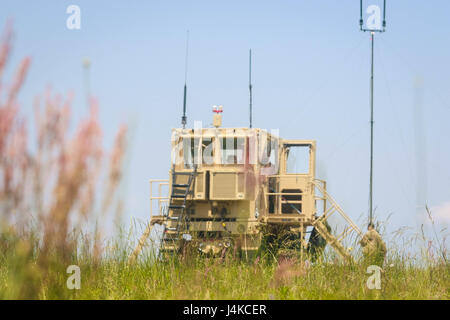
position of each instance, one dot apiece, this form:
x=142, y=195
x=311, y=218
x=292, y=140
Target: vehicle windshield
x=190, y=152
x=298, y=159
x=232, y=150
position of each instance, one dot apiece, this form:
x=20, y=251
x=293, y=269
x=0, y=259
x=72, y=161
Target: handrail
x=338, y=208
x=160, y=198
x=284, y=194
x=286, y=201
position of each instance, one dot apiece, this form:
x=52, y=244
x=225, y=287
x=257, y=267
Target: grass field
x=27, y=274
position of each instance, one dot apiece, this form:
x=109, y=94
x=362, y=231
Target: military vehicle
x=227, y=185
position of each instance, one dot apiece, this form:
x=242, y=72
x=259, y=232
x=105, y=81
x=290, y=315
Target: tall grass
x=112, y=277
x=51, y=186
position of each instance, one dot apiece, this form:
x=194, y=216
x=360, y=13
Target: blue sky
x=310, y=80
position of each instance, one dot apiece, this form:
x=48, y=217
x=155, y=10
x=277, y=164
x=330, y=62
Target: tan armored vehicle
x=226, y=185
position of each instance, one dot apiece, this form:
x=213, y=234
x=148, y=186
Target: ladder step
x=180, y=192
x=183, y=173
x=332, y=240
x=176, y=206
x=176, y=185
x=171, y=229
x=178, y=196
x=173, y=218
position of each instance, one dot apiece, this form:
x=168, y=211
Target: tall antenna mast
x=372, y=25
x=184, y=118
x=250, y=84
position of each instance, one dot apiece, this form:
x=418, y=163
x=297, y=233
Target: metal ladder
x=171, y=235
x=334, y=241
x=176, y=222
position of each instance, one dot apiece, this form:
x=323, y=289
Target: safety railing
x=334, y=207
x=280, y=197
x=162, y=197
x=323, y=186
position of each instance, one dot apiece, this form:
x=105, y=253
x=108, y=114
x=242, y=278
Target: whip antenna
x=184, y=118
x=250, y=84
